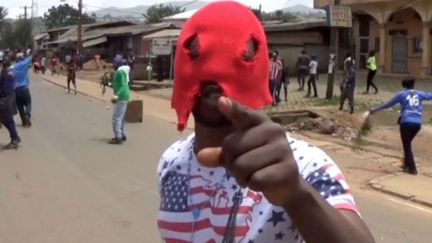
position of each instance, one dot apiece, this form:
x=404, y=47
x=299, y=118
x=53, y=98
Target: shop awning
x=94, y=42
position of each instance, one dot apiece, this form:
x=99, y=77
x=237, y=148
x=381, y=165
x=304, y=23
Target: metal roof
x=166, y=33
x=293, y=26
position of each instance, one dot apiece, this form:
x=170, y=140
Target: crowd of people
x=307, y=72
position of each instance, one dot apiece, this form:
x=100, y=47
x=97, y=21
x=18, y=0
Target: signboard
x=161, y=46
x=339, y=16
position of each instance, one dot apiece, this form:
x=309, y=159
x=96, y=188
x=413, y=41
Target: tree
x=3, y=13
x=16, y=35
x=65, y=15
x=156, y=13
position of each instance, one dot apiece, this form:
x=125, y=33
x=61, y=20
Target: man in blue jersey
x=410, y=101
x=23, y=96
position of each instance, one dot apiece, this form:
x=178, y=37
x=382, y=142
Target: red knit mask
x=223, y=42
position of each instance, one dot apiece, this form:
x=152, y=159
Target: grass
x=364, y=131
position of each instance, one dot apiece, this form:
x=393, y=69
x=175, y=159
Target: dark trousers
x=370, y=80
x=301, y=78
x=284, y=82
x=312, y=82
x=347, y=93
x=408, y=131
x=24, y=104
x=71, y=79
x=9, y=123
x=273, y=86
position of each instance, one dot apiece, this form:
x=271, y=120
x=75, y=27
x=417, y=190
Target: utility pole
x=25, y=12
x=334, y=46
x=79, y=44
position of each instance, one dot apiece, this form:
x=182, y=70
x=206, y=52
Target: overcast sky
x=14, y=9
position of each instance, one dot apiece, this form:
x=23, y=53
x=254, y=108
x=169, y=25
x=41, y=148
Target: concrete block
x=134, y=113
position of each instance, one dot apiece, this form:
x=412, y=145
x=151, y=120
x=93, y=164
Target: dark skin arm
x=258, y=155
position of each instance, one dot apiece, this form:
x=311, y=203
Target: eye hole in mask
x=192, y=46
x=251, y=51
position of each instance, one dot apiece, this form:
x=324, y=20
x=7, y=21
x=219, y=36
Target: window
x=417, y=45
x=377, y=44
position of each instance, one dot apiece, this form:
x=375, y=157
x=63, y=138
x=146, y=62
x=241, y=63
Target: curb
x=78, y=91
x=376, y=185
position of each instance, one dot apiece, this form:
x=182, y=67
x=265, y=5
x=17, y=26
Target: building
x=398, y=30
x=291, y=38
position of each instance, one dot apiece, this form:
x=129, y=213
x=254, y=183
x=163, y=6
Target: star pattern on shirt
x=325, y=184
x=271, y=224
x=279, y=236
x=277, y=217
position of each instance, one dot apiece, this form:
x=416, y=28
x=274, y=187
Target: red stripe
x=200, y=189
x=199, y=225
x=339, y=177
x=325, y=167
x=168, y=240
x=346, y=206
x=221, y=211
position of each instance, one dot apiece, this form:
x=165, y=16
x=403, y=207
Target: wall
x=295, y=38
x=403, y=20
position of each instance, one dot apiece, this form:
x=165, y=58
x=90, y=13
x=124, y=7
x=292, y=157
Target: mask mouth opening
x=205, y=109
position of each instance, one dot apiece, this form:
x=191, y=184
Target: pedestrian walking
x=411, y=117
x=275, y=76
x=313, y=76
x=284, y=81
x=22, y=89
x=302, y=67
x=239, y=177
x=43, y=64
x=120, y=101
x=97, y=59
x=348, y=84
x=372, y=70
x=8, y=103
x=71, y=75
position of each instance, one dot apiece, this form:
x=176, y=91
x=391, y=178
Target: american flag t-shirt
x=185, y=185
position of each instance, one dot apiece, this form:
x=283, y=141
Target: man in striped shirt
x=276, y=68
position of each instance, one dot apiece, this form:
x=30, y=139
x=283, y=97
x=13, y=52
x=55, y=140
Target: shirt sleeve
x=426, y=95
x=395, y=100
x=322, y=173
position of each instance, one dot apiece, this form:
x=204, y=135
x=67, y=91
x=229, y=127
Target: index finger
x=240, y=116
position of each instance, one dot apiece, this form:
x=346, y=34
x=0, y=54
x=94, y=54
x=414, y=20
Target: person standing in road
x=240, y=177
x=275, y=76
x=43, y=64
x=23, y=95
x=348, y=84
x=8, y=103
x=372, y=70
x=313, y=76
x=120, y=100
x=410, y=101
x=71, y=75
x=302, y=67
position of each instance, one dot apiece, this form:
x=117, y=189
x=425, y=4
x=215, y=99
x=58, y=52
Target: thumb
x=210, y=157
x=240, y=116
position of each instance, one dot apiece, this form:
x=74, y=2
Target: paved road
x=65, y=184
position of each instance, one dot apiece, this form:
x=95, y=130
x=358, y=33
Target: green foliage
x=65, y=15
x=156, y=13
x=16, y=35
x=278, y=15
x=106, y=80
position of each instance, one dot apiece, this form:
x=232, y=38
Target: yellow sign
x=339, y=16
